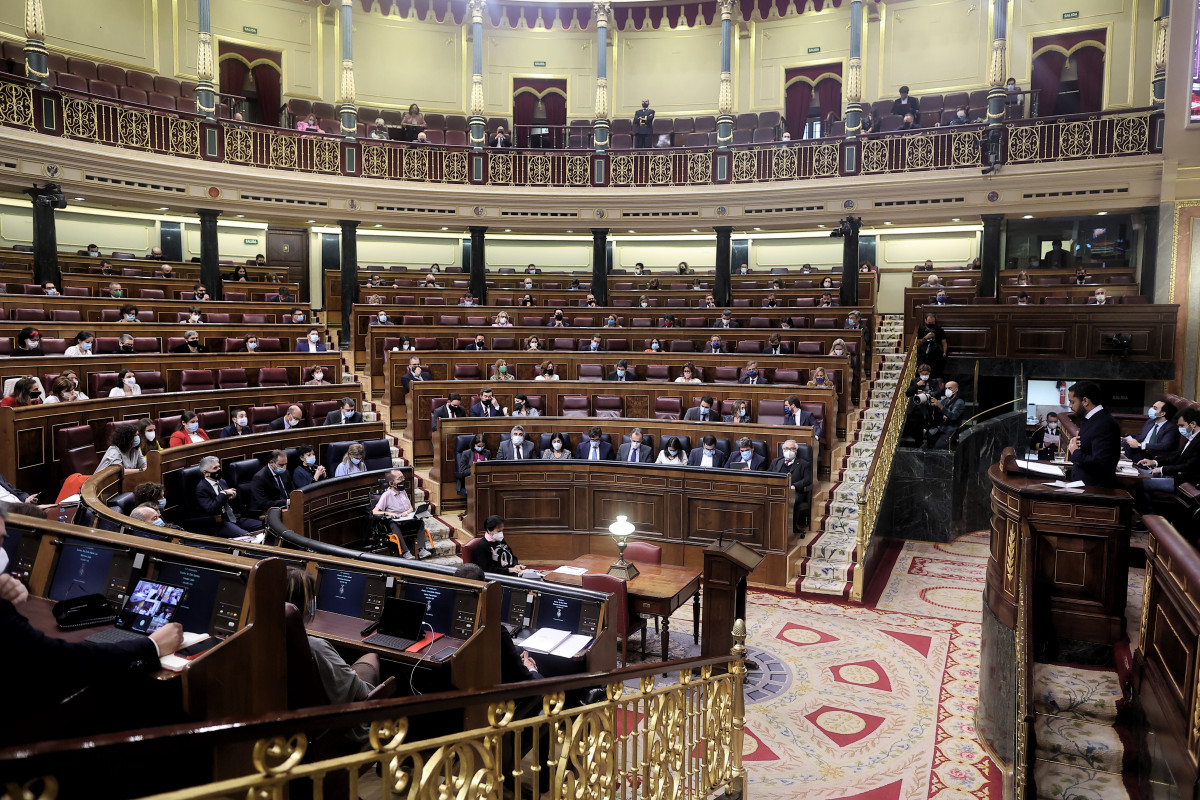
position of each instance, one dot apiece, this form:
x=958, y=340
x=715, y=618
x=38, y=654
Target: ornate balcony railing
x=1027, y=141
x=644, y=740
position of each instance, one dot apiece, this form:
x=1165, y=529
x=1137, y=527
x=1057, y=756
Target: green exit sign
x=249, y=241
x=539, y=63
x=248, y=29
x=814, y=49
x=1070, y=15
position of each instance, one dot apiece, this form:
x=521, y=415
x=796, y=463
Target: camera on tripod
x=846, y=227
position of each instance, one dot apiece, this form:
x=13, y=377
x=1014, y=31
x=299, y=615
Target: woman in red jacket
x=189, y=431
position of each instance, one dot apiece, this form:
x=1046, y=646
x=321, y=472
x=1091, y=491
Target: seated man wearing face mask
x=706, y=455
x=594, y=346
x=1099, y=298
x=1046, y=441
x=307, y=471
x=745, y=458
x=395, y=506
x=752, y=375
x=191, y=344
x=271, y=486
x=557, y=321
x=703, y=412
x=492, y=554
x=516, y=447
x=623, y=372
x=1169, y=470
x=240, y=426
x=949, y=412
x=1157, y=437
x=799, y=472
x=213, y=498
x=312, y=343
x=151, y=515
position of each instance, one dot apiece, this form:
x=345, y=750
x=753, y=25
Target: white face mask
x=149, y=436
x=498, y=536
x=318, y=376
x=949, y=393
x=241, y=421
x=924, y=376
x=518, y=439
x=3, y=561
x=312, y=337
x=556, y=445
x=789, y=454
x=131, y=381
x=1053, y=426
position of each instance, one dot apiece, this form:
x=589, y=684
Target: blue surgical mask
x=297, y=318
x=193, y=427
x=159, y=522
x=131, y=317
x=1184, y=432
x=251, y=345
x=747, y=454
x=85, y=346
x=137, y=440
x=162, y=502
x=383, y=317
x=671, y=451
x=355, y=461
x=708, y=451
x=310, y=460
x=655, y=346
x=753, y=373
x=620, y=371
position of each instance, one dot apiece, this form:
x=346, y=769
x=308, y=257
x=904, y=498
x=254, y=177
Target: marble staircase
x=827, y=555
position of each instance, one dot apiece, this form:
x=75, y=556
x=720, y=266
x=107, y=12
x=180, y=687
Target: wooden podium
x=726, y=566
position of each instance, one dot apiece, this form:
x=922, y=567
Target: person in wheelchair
x=397, y=511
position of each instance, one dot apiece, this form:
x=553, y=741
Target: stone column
x=998, y=68
x=349, y=114
x=349, y=278
x=725, y=96
x=45, y=237
x=601, y=125
x=849, y=291
x=600, y=265
x=854, y=71
x=35, y=43
x=478, y=134
x=1162, y=29
x=210, y=255
x=478, y=263
x=206, y=97
x=722, y=292
x=989, y=258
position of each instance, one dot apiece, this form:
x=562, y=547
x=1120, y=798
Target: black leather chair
x=238, y=475
x=334, y=454
x=182, y=485
x=379, y=454
x=544, y=442
x=685, y=442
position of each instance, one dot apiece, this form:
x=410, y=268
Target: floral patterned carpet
x=868, y=703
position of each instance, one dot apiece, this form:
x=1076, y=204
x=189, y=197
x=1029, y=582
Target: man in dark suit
x=947, y=412
x=593, y=448
x=1170, y=470
x=452, y=409
x=634, y=451
x=500, y=139
x=415, y=372
x=752, y=376
x=294, y=418
x=488, y=405
x=799, y=472
x=715, y=345
x=1095, y=450
x=727, y=320
x=794, y=415
x=480, y=343
x=11, y=494
x=213, y=498
x=271, y=486
x=706, y=455
x=622, y=373
x=703, y=412
x=1159, y=436
x=516, y=447
x=905, y=104
x=745, y=457
x=594, y=346
x=345, y=415
x=776, y=347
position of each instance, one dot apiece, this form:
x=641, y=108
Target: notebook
x=149, y=606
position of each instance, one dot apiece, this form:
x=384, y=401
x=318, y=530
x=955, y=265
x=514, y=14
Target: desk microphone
x=367, y=631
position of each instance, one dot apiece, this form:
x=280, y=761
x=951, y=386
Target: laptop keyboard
x=394, y=642
x=112, y=636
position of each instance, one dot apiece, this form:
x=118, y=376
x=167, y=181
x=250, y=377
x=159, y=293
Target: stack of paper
x=556, y=642
x=1041, y=468
x=569, y=570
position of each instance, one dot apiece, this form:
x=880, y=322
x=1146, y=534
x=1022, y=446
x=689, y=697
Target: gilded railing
x=871, y=497
x=925, y=149
x=648, y=740
x=104, y=121
x=1078, y=137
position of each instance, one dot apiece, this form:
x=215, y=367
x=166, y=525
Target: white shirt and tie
x=594, y=455
x=635, y=449
x=517, y=450
x=1152, y=435
x=706, y=460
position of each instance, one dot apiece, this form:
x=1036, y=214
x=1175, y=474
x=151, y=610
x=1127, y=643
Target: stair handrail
x=871, y=496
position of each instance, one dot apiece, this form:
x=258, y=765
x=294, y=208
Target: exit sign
x=814, y=49
x=248, y=29
x=1070, y=15
x=249, y=241
x=539, y=63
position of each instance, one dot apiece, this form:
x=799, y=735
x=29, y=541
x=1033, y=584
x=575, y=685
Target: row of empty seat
x=104, y=345
x=99, y=384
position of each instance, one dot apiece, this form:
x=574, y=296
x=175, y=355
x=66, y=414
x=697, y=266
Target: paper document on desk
x=544, y=640
x=1066, y=484
x=569, y=570
x=572, y=646
x=1041, y=468
x=174, y=663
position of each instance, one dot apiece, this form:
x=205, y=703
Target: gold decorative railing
x=669, y=741
x=178, y=133
x=871, y=496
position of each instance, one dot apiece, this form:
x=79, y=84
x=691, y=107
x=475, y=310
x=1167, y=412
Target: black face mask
x=193, y=343
x=126, y=348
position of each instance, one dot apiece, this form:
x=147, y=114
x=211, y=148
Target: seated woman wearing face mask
x=25, y=392
x=493, y=555
x=123, y=449
x=240, y=426
x=672, y=453
x=189, y=431
x=307, y=471
x=353, y=462
x=127, y=385
x=558, y=450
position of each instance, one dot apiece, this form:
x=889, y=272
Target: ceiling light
x=241, y=216
x=445, y=228
x=508, y=230
x=955, y=219
x=887, y=223
x=1027, y=216
x=311, y=221
x=820, y=226
x=759, y=229
x=378, y=224
x=695, y=230
x=631, y=230
x=164, y=208
x=1102, y=213
x=78, y=199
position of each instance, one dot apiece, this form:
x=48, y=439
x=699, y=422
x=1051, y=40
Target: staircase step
x=823, y=586
x=1079, y=743
x=1061, y=782
x=1086, y=694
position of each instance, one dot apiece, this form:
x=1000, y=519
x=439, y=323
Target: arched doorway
x=811, y=95
x=255, y=75
x=539, y=112
x=1068, y=72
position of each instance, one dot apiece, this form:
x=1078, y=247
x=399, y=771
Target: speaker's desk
x=658, y=589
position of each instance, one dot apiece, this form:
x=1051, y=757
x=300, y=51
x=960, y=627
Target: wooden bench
x=91, y=309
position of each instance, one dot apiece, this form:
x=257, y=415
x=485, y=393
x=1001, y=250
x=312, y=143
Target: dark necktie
x=282, y=488
x=1153, y=433
x=517, y=451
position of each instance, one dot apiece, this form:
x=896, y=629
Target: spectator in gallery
x=905, y=104
x=378, y=130
x=309, y=123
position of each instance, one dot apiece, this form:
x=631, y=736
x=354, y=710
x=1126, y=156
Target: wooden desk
x=658, y=589
x=347, y=631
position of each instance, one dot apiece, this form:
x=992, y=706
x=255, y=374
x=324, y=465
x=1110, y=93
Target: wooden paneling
x=683, y=509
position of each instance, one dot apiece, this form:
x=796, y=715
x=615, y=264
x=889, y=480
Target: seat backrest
x=725, y=374
x=591, y=372
x=808, y=348
x=608, y=406
x=658, y=373
x=468, y=549
x=272, y=376
x=319, y=409
x=643, y=553
x=150, y=381
x=681, y=346
x=192, y=380
x=378, y=454
x=29, y=315
x=749, y=346
x=213, y=421
x=335, y=454
x=261, y=416
x=770, y=412
x=619, y=602
x=65, y=315
x=464, y=372
x=75, y=448
x=573, y=405
x=232, y=379
x=668, y=408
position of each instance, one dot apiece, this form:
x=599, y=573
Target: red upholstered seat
x=150, y=381
x=128, y=94
x=261, y=416
x=235, y=297
x=643, y=553
x=681, y=346
x=590, y=372
x=196, y=380
x=770, y=412
x=622, y=620
x=749, y=346
x=658, y=373
x=232, y=379
x=29, y=315
x=253, y=319
x=465, y=372
x=65, y=315
x=319, y=409
x=608, y=406
x=668, y=408
x=150, y=294
x=573, y=405
x=75, y=449
x=212, y=421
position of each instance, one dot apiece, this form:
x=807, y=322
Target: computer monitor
x=350, y=593
x=558, y=612
x=514, y=607
x=213, y=601
x=439, y=602
x=150, y=606
x=85, y=568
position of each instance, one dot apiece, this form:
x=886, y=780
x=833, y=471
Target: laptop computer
x=149, y=606
x=399, y=626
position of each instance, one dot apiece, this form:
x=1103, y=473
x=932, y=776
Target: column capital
x=208, y=214
x=348, y=225
x=992, y=218
x=602, y=13
x=475, y=9
x=600, y=231
x=726, y=7
x=477, y=230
